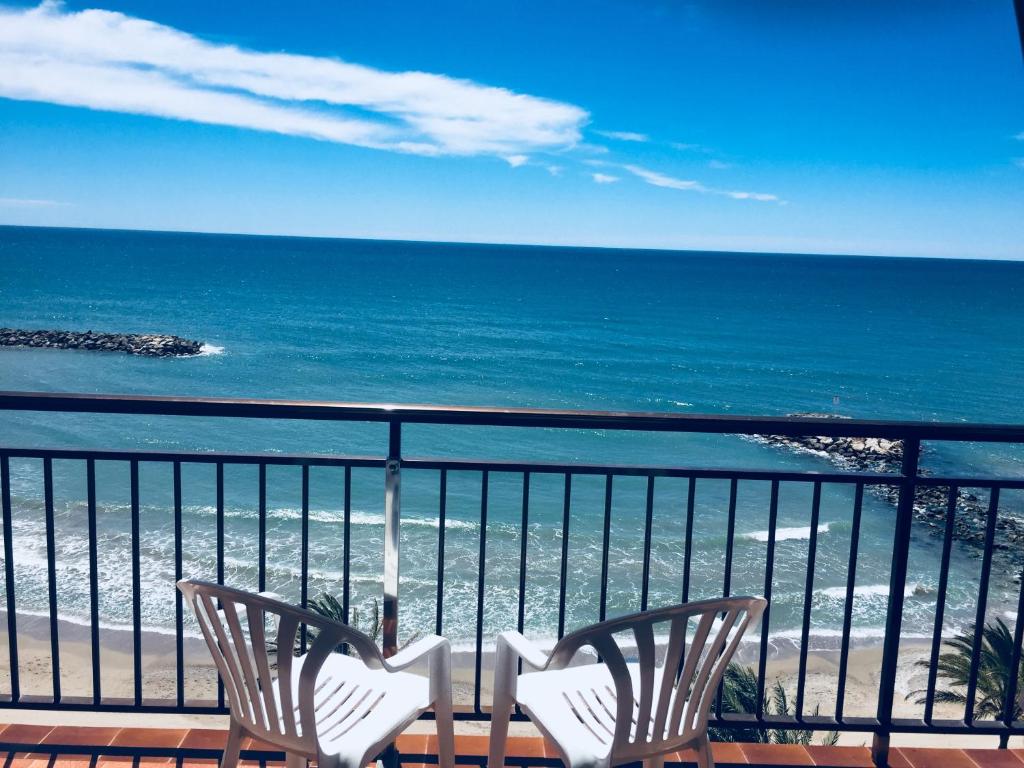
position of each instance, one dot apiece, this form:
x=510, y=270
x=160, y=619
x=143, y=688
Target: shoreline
x=159, y=674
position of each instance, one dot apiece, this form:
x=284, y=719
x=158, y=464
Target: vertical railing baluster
x=940, y=601
x=605, y=546
x=648, y=522
x=481, y=571
x=136, y=585
x=773, y=518
x=179, y=611
x=261, y=577
x=392, y=540
x=304, y=555
x=563, y=569
x=805, y=630
x=524, y=527
x=691, y=496
x=442, y=512
x=897, y=585
x=12, y=612
x=94, y=587
x=851, y=580
x=51, y=577
x=220, y=556
x=979, y=619
x=346, y=572
x=730, y=535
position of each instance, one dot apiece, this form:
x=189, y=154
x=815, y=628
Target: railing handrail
x=498, y=416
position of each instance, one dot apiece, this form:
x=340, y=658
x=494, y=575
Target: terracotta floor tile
x=205, y=738
x=728, y=753
x=164, y=738
x=840, y=757
x=26, y=734
x=921, y=757
x=80, y=736
x=250, y=744
x=996, y=758
x=469, y=744
x=897, y=759
x=776, y=754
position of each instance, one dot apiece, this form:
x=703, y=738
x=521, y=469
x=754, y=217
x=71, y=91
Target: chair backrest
x=261, y=691
x=659, y=708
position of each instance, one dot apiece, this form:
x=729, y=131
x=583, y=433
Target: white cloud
x=670, y=182
x=110, y=61
x=718, y=165
x=24, y=202
x=516, y=160
x=554, y=170
x=661, y=180
x=604, y=178
x=624, y=135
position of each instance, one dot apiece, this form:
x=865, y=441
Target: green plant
x=329, y=606
x=994, y=663
x=740, y=696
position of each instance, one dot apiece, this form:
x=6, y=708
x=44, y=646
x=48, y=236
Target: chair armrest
x=422, y=649
x=524, y=649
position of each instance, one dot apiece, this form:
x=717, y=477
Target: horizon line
x=497, y=244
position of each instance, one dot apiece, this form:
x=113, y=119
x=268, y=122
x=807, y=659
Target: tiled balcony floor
x=45, y=746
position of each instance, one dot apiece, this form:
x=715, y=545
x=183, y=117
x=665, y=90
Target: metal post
x=897, y=583
x=392, y=519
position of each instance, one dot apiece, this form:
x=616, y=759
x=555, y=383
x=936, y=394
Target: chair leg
x=655, y=762
x=233, y=747
x=704, y=757
x=295, y=761
x=501, y=708
x=445, y=728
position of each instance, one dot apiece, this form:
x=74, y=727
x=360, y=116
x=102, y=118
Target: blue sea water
x=502, y=325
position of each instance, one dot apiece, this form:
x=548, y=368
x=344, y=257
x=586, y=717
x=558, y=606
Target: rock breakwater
x=930, y=503
x=145, y=344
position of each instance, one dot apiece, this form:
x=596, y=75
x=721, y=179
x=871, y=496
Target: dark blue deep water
x=501, y=325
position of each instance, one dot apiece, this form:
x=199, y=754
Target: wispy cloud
x=604, y=178
x=24, y=202
x=554, y=170
x=111, y=61
x=1019, y=136
x=516, y=160
x=1019, y=162
x=624, y=135
x=661, y=180
x=657, y=179
x=719, y=165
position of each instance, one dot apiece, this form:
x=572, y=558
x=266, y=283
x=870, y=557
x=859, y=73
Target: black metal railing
x=903, y=485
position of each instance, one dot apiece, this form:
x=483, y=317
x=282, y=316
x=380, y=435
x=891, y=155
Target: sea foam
x=785, y=534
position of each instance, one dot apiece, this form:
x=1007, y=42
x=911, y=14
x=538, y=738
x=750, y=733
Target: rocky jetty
x=145, y=344
x=869, y=454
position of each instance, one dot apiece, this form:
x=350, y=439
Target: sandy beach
x=159, y=676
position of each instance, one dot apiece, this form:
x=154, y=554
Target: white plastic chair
x=614, y=712
x=335, y=708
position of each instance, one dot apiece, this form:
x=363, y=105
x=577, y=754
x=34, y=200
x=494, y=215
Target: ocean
x=381, y=321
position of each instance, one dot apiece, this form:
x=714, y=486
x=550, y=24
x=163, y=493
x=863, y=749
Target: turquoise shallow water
x=502, y=325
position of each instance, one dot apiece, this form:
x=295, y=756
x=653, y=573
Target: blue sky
x=829, y=127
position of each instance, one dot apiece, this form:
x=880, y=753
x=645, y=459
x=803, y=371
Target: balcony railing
x=391, y=470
